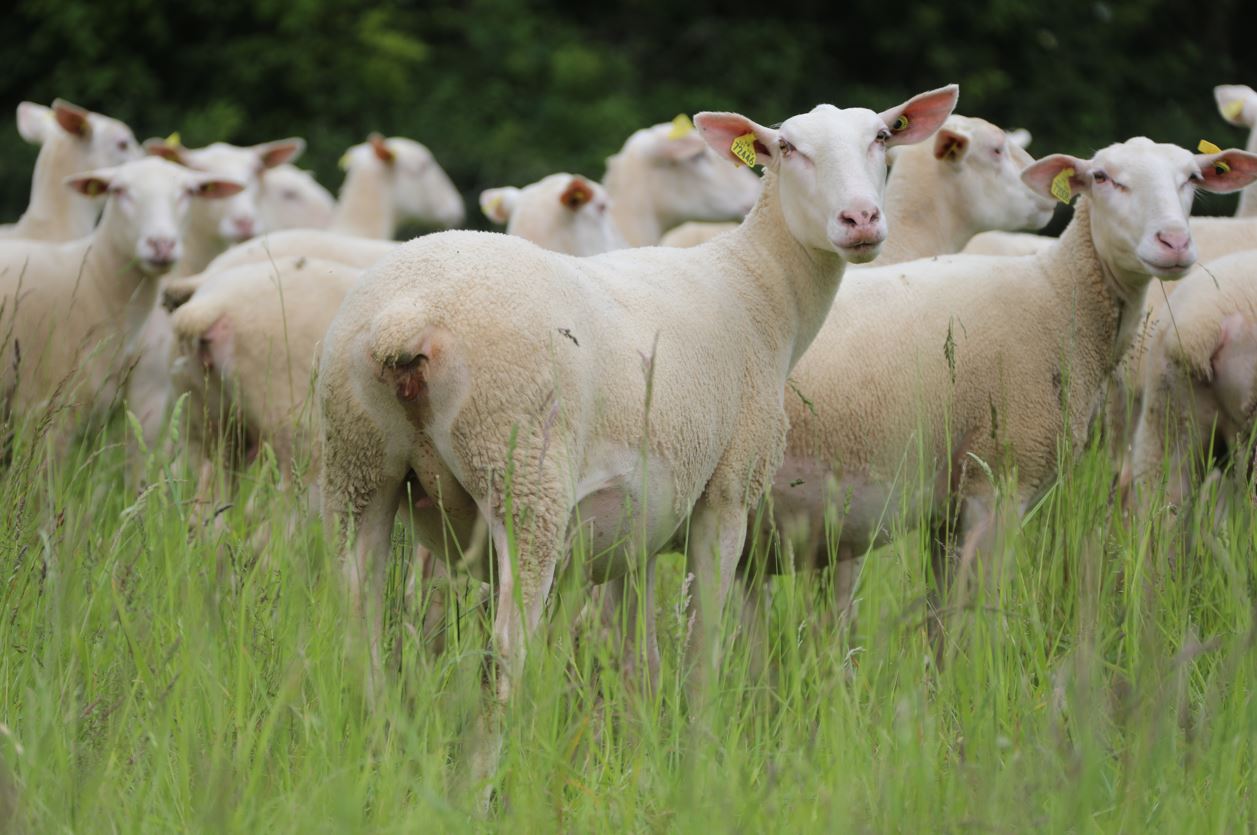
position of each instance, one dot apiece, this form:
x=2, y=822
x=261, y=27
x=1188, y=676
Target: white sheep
x=940, y=194
x=291, y=198
x=666, y=175
x=561, y=212
x=611, y=398
x=71, y=140
x=989, y=359
x=1238, y=105
x=1198, y=392
x=72, y=311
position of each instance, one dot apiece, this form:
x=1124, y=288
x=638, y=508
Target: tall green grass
x=161, y=673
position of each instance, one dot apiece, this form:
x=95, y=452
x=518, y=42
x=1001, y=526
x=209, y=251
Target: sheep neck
x=1248, y=197
x=788, y=286
x=1107, y=299
x=920, y=218
x=127, y=294
x=632, y=209
x=55, y=212
x=365, y=204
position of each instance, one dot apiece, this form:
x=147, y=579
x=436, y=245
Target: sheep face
x=686, y=180
x=103, y=142
x=238, y=218
x=292, y=199
x=563, y=212
x=1141, y=193
x=984, y=165
x=147, y=207
x=1237, y=103
x=421, y=189
x=831, y=165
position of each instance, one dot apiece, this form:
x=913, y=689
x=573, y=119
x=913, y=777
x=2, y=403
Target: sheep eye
x=786, y=148
x=1100, y=177
x=999, y=152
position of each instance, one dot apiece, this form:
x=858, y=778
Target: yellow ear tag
x=1060, y=186
x=743, y=148
x=174, y=140
x=681, y=126
x=901, y=124
x=1232, y=109
x=495, y=206
x=1207, y=147
x=343, y=162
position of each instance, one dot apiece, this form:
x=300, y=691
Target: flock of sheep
x=576, y=384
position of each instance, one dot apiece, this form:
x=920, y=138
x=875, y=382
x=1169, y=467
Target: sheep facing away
x=614, y=397
x=71, y=140
x=73, y=311
x=562, y=212
x=993, y=357
x=1199, y=388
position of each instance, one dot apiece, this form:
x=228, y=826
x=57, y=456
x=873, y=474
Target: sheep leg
x=717, y=534
x=846, y=570
x=629, y=615
x=364, y=566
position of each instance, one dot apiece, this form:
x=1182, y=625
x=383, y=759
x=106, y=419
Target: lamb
x=993, y=357
x=594, y=395
x=74, y=309
x=1199, y=386
x=71, y=140
x=665, y=175
x=291, y=198
x=1238, y=105
x=561, y=212
x=941, y=195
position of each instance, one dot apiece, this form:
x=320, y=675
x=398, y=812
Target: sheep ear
x=92, y=183
x=1227, y=171
x=1019, y=137
x=380, y=145
x=916, y=119
x=577, y=194
x=755, y=144
x=498, y=203
x=950, y=145
x=172, y=152
x=214, y=188
x=1237, y=103
x=72, y=118
x=280, y=151
x=33, y=121
x=1059, y=175
x=681, y=147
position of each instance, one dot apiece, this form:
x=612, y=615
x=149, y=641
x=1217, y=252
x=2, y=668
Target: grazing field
x=160, y=674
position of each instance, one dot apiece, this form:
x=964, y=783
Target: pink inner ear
x=949, y=145
x=720, y=129
x=1237, y=170
x=925, y=113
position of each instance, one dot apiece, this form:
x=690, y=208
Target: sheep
x=71, y=140
x=291, y=198
x=1199, y=381
x=240, y=367
x=992, y=357
x=73, y=310
x=561, y=212
x=940, y=195
x=1007, y=243
x=614, y=397
x=1238, y=105
x=386, y=180
x=666, y=175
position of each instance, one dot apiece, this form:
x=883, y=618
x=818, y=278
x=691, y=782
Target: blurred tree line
x=506, y=91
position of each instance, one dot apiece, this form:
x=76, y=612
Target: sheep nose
x=163, y=249
x=855, y=218
x=244, y=226
x=1177, y=240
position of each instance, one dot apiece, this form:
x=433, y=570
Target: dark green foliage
x=505, y=92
